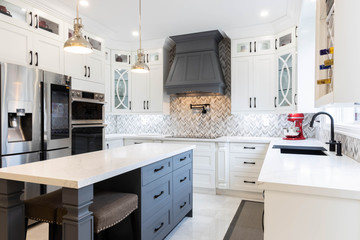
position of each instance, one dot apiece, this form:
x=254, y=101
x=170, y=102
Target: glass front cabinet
x=286, y=96
x=246, y=47
x=121, y=89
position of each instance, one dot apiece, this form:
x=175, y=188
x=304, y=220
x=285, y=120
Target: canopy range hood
x=196, y=70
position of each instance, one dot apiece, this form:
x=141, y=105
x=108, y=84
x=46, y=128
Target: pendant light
x=77, y=43
x=140, y=66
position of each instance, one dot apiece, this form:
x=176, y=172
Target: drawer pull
x=181, y=180
x=183, y=205
x=161, y=193
x=249, y=148
x=251, y=182
x=159, y=169
x=158, y=228
x=182, y=159
x=138, y=142
x=253, y=163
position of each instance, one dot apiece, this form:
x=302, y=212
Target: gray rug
x=247, y=222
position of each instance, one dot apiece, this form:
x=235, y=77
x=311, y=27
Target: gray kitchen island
x=148, y=170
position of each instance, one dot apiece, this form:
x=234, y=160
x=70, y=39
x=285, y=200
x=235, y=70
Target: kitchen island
x=130, y=167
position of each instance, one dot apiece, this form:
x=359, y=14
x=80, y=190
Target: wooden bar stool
x=109, y=209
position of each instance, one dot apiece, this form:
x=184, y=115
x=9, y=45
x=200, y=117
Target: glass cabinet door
x=121, y=89
x=242, y=47
x=10, y=12
x=122, y=58
x=285, y=80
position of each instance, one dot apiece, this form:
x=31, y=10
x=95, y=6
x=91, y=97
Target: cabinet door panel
x=15, y=45
x=96, y=68
x=121, y=90
x=241, y=89
x=108, y=88
x=139, y=92
x=50, y=54
x=156, y=89
x=263, y=81
x=75, y=65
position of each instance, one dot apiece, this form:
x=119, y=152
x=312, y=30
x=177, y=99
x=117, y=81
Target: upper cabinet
x=263, y=73
x=253, y=46
x=138, y=92
x=16, y=13
x=286, y=39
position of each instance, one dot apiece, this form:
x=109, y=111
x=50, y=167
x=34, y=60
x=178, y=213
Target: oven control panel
x=87, y=95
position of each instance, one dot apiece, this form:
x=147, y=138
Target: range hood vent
x=196, y=70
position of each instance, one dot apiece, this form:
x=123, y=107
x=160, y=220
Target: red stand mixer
x=296, y=131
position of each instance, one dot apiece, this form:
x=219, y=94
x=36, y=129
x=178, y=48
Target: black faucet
x=332, y=141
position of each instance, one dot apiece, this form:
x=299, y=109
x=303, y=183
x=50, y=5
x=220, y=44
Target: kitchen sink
x=306, y=150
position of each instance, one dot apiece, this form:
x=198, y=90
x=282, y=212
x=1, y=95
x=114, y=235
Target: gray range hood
x=196, y=69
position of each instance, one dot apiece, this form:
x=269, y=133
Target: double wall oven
x=87, y=120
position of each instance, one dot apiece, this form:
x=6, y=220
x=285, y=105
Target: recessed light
x=84, y=3
x=135, y=34
x=264, y=13
x=23, y=9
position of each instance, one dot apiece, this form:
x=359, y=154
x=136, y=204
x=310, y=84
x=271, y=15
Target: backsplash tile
x=219, y=121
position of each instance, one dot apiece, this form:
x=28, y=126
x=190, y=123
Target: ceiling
x=163, y=18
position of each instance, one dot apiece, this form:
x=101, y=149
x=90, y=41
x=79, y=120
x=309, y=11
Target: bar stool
x=109, y=209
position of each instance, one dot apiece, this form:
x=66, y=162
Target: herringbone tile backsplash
x=217, y=122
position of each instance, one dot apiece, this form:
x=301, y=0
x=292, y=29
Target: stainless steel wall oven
x=87, y=121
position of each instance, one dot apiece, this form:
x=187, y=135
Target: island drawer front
x=182, y=177
x=158, y=225
x=156, y=170
x=181, y=206
x=156, y=194
x=244, y=183
x=182, y=159
x=248, y=148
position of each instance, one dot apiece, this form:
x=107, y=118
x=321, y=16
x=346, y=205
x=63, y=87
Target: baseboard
x=242, y=194
x=211, y=191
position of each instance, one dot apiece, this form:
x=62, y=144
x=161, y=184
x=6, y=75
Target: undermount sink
x=306, y=150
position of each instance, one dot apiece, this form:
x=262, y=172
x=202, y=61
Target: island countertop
x=85, y=169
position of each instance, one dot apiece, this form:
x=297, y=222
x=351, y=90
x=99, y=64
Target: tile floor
x=211, y=219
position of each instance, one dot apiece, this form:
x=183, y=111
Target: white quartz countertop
x=85, y=169
x=320, y=175
x=160, y=137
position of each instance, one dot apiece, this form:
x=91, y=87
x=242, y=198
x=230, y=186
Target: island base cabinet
x=159, y=225
x=299, y=216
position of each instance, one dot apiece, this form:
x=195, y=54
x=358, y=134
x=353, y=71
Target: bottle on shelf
x=323, y=67
x=324, y=81
x=329, y=62
x=327, y=51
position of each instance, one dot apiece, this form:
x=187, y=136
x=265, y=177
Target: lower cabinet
x=166, y=195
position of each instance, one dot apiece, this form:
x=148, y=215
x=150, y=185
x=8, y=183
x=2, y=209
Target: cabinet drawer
x=181, y=206
x=203, y=178
x=244, y=183
x=181, y=178
x=159, y=224
x=156, y=194
x=204, y=160
x=248, y=148
x=243, y=164
x=136, y=141
x=182, y=159
x=156, y=170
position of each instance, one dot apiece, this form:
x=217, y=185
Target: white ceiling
x=162, y=18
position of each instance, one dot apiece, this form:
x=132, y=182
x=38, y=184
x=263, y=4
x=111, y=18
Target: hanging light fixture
x=77, y=43
x=140, y=66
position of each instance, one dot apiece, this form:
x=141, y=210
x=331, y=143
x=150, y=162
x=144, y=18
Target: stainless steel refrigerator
x=35, y=118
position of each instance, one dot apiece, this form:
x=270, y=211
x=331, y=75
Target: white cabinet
x=252, y=81
x=139, y=91
x=95, y=65
x=47, y=25
x=247, y=47
x=156, y=94
x=245, y=161
x=120, y=89
x=286, y=97
x=48, y=54
x=128, y=142
x=16, y=45
x=108, y=82
x=111, y=144
x=121, y=58
x=286, y=39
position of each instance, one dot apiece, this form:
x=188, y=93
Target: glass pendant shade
x=77, y=43
x=140, y=65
